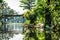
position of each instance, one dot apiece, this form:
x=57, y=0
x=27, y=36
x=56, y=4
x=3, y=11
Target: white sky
x=14, y=4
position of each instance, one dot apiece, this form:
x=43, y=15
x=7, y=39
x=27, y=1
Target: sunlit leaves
x=52, y=7
x=41, y=37
x=28, y=13
x=55, y=13
x=27, y=22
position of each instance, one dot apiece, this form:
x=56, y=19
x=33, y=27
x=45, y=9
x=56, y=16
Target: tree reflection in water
x=12, y=29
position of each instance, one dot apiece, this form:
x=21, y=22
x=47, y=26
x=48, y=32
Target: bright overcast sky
x=14, y=4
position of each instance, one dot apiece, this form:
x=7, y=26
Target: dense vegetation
x=43, y=19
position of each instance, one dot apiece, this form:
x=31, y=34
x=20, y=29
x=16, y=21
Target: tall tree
x=46, y=12
x=30, y=16
x=47, y=21
x=27, y=4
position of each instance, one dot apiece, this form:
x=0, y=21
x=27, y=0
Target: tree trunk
x=47, y=23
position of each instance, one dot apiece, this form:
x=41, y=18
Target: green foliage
x=0, y=14
x=28, y=13
x=27, y=4
x=48, y=13
x=0, y=9
x=0, y=24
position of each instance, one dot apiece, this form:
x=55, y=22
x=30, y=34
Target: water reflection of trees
x=11, y=25
x=8, y=19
